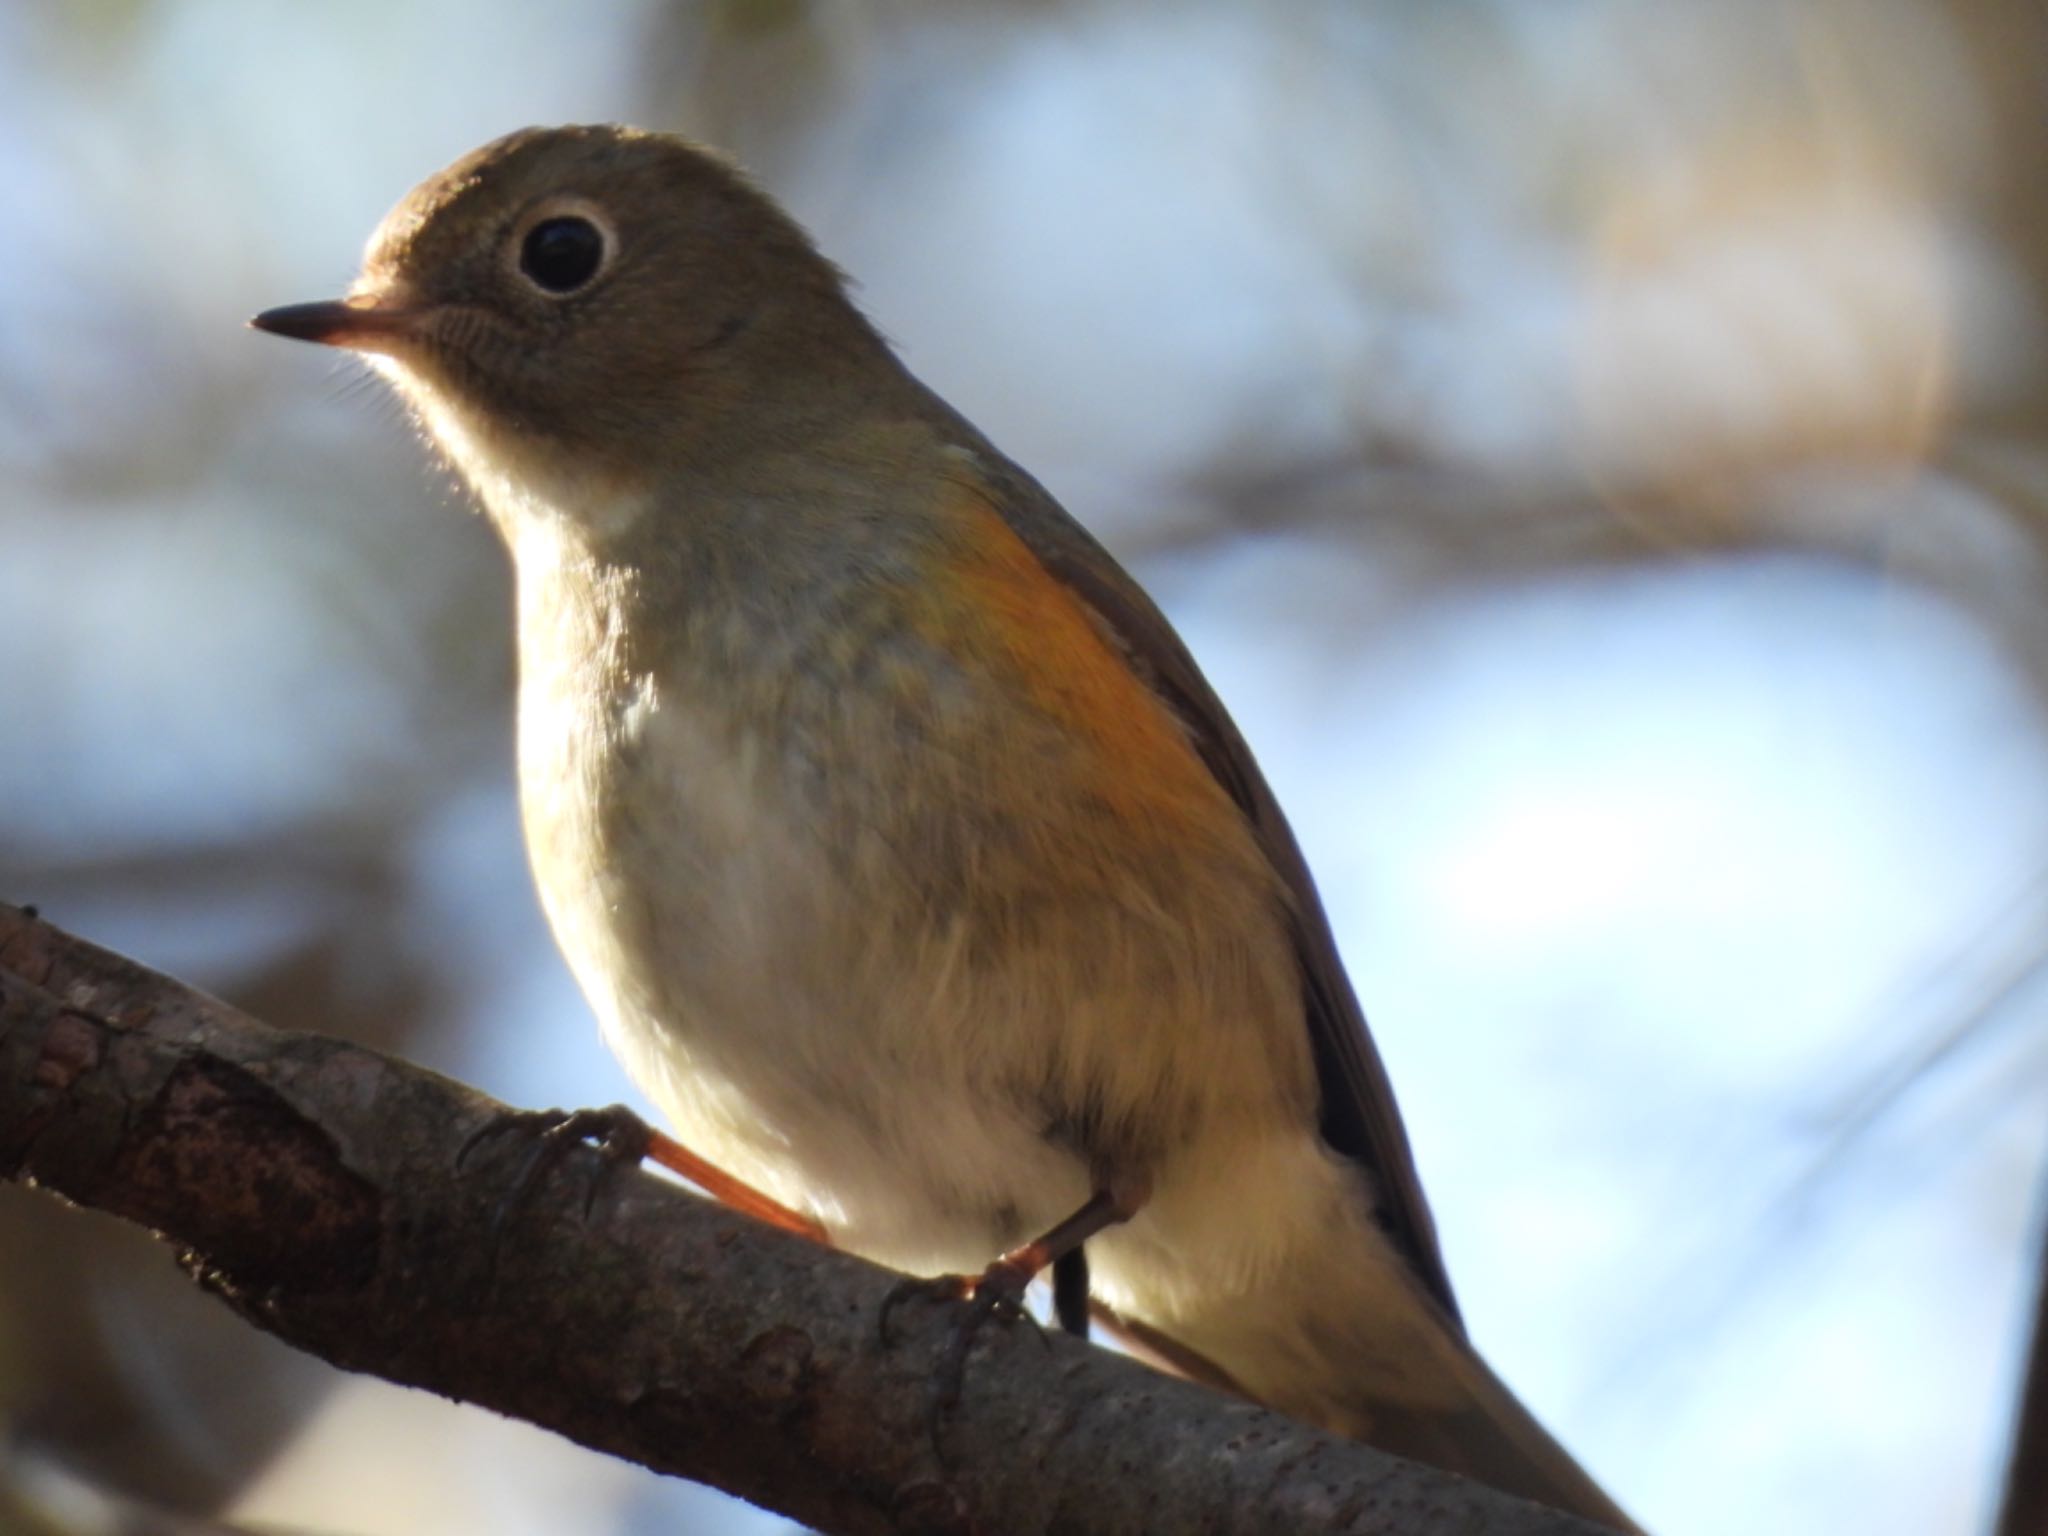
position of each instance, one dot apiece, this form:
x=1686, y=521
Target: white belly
x=840, y=993
x=788, y=1037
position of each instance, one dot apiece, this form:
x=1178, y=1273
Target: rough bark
x=333, y=1196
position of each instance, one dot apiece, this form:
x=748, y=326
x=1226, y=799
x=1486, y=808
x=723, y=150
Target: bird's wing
x=1358, y=1115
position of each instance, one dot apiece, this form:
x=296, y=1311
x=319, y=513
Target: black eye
x=561, y=255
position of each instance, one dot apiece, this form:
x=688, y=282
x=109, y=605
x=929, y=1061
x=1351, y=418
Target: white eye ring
x=562, y=247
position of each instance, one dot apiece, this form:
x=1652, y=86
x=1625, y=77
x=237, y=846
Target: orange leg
x=1110, y=1206
x=623, y=1137
x=999, y=1289
x=727, y=1190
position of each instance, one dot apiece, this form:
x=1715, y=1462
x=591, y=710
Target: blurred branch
x=39, y=1497
x=2025, y=1506
x=322, y=1191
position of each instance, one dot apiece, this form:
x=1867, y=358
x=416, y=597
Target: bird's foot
x=620, y=1137
x=997, y=1293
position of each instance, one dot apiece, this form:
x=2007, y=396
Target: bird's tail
x=1338, y=1332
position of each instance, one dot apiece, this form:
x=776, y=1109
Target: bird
x=907, y=859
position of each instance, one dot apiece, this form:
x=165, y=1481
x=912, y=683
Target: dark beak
x=361, y=324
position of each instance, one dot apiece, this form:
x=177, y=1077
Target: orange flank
x=1051, y=649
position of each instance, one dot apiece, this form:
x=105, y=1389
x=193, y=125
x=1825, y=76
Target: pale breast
x=888, y=960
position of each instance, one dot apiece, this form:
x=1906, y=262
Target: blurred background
x=1599, y=451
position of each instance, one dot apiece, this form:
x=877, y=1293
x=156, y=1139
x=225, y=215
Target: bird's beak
x=363, y=324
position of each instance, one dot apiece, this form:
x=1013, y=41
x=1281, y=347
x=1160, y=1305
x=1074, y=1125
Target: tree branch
x=322, y=1191
x=2024, y=1507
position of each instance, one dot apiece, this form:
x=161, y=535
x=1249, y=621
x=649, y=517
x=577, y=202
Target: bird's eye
x=561, y=255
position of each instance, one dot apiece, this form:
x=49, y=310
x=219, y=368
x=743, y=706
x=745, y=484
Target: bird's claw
x=997, y=1293
x=619, y=1136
